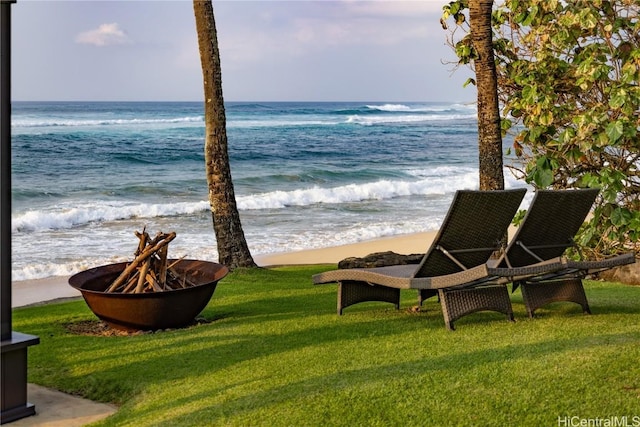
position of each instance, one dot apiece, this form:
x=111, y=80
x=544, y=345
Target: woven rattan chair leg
x=457, y=303
x=539, y=294
x=424, y=294
x=352, y=292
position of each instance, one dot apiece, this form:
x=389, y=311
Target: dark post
x=14, y=345
x=5, y=165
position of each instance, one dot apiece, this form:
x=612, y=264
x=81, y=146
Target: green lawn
x=276, y=354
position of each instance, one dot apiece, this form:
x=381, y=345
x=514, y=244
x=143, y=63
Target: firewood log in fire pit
x=149, y=271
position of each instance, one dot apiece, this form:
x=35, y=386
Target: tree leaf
x=470, y=81
x=620, y=217
x=614, y=131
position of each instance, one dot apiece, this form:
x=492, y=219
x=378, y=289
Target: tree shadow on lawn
x=216, y=403
x=210, y=350
x=159, y=358
x=299, y=324
x=297, y=318
x=236, y=332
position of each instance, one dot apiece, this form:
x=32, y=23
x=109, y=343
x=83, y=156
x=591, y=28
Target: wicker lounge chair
x=456, y=266
x=546, y=232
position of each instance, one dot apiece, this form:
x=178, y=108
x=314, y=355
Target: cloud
x=290, y=29
x=390, y=9
x=104, y=35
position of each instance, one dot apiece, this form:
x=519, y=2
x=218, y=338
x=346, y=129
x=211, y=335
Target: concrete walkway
x=54, y=408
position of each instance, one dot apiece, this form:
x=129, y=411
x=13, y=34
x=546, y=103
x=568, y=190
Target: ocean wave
x=408, y=118
x=365, y=116
x=433, y=181
x=351, y=193
x=243, y=124
x=353, y=118
x=442, y=171
x=52, y=269
x=394, y=108
x=64, y=218
x=26, y=123
x=69, y=217
x=390, y=107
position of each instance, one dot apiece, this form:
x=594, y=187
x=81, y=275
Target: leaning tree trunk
x=232, y=245
x=489, y=130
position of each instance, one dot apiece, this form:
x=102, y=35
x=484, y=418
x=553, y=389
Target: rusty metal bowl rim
x=78, y=279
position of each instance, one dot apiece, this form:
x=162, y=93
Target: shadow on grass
x=204, y=405
x=268, y=316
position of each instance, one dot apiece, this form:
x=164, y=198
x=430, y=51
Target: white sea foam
x=368, y=120
x=390, y=107
x=68, y=217
x=65, y=217
x=435, y=180
x=111, y=247
x=466, y=108
x=442, y=171
x=274, y=242
x=51, y=269
x=280, y=123
x=61, y=122
x=378, y=190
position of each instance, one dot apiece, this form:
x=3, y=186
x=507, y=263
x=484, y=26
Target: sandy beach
x=404, y=244
x=29, y=292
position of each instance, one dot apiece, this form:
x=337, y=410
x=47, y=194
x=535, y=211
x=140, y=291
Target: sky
x=270, y=50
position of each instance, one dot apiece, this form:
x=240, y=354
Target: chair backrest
x=471, y=232
x=547, y=230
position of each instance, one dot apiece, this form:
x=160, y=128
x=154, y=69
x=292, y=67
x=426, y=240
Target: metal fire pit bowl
x=153, y=310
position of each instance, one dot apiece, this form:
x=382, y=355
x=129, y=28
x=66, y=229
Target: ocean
x=86, y=175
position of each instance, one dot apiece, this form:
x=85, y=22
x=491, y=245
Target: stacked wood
x=150, y=270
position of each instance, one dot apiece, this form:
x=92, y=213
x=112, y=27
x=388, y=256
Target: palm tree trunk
x=232, y=246
x=489, y=130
